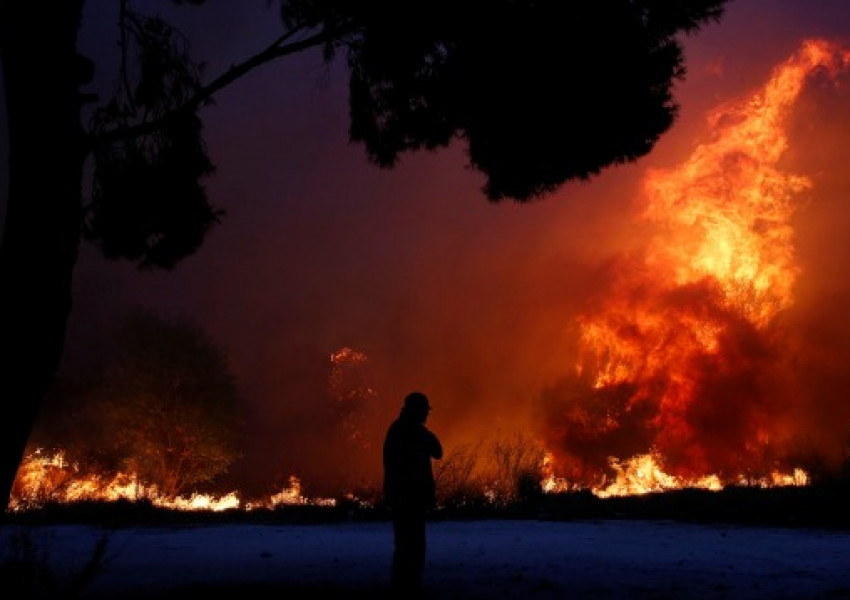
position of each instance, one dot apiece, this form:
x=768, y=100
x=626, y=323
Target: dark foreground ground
x=467, y=559
x=791, y=543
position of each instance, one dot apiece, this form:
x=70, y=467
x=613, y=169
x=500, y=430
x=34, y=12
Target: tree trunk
x=41, y=234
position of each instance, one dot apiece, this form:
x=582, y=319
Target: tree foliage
x=148, y=201
x=541, y=92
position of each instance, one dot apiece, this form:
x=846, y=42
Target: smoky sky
x=471, y=302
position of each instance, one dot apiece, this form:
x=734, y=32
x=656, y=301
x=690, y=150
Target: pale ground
x=466, y=559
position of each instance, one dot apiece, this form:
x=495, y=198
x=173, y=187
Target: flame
x=676, y=351
x=726, y=209
x=644, y=474
x=44, y=478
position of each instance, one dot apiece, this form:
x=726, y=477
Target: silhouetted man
x=409, y=489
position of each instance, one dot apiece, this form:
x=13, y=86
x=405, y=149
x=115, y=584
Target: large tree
x=540, y=91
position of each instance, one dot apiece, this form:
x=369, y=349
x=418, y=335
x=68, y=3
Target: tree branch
x=122, y=27
x=274, y=51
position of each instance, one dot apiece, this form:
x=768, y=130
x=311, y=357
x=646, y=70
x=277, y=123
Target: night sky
x=471, y=302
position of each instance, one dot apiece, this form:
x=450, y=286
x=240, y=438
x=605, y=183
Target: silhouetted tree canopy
x=148, y=202
x=540, y=92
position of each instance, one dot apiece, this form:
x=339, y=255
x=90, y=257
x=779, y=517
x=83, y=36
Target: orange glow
x=682, y=345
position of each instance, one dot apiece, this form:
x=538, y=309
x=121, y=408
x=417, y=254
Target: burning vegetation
x=689, y=374
x=49, y=478
x=687, y=366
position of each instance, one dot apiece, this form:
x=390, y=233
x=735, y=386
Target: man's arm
x=435, y=449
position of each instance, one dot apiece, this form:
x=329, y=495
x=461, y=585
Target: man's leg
x=418, y=546
x=409, y=551
x=400, y=551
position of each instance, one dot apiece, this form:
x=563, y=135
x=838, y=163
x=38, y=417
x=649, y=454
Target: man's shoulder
x=406, y=427
x=397, y=427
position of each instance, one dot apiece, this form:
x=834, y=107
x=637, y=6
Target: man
x=409, y=489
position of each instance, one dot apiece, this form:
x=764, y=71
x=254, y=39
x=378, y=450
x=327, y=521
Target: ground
x=490, y=558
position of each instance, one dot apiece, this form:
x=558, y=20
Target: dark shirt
x=408, y=477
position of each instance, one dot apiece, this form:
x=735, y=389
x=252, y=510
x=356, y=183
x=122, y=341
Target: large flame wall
x=689, y=354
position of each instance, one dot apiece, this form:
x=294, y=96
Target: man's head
x=417, y=406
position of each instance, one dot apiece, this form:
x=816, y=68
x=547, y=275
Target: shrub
x=508, y=472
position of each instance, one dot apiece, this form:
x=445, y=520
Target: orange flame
x=676, y=348
x=726, y=209
x=49, y=478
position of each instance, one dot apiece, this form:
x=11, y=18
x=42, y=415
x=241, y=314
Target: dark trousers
x=409, y=550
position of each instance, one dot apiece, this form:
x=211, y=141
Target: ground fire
x=687, y=373
x=48, y=477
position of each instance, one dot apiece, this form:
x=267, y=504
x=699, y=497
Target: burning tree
x=167, y=403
